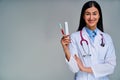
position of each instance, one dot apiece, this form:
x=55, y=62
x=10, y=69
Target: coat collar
x=97, y=37
x=84, y=32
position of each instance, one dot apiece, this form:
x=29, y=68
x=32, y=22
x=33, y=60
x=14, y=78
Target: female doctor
x=89, y=52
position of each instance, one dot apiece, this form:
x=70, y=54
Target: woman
x=89, y=52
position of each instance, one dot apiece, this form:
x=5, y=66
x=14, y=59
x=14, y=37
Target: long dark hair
x=86, y=6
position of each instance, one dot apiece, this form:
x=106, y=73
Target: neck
x=91, y=27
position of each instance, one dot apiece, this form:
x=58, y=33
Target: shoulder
x=107, y=37
x=75, y=37
x=75, y=34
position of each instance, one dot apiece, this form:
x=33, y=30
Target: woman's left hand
x=79, y=62
x=81, y=66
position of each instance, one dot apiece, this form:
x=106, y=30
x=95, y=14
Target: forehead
x=92, y=9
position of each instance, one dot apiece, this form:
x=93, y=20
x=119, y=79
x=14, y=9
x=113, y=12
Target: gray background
x=30, y=46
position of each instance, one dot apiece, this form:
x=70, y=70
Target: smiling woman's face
x=91, y=17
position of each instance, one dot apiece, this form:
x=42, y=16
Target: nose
x=91, y=17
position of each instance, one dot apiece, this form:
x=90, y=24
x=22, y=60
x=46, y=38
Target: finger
x=65, y=36
x=75, y=56
x=67, y=41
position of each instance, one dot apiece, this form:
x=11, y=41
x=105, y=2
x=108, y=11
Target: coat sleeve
x=106, y=68
x=72, y=64
x=73, y=50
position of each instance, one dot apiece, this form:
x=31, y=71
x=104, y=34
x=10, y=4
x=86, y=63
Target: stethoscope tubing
x=81, y=43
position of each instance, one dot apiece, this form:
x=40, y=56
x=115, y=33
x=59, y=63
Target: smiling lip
x=91, y=21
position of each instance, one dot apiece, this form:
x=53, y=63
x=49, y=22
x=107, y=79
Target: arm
x=107, y=67
x=65, y=42
x=81, y=66
x=100, y=69
x=69, y=47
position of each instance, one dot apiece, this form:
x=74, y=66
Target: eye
x=87, y=13
x=94, y=13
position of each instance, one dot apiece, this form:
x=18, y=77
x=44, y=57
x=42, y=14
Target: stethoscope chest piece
x=102, y=42
x=86, y=55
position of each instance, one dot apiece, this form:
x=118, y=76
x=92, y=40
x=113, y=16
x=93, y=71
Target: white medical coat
x=102, y=60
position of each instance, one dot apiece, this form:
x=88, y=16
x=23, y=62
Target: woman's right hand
x=65, y=40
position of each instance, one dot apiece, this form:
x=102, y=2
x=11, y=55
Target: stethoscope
x=84, y=40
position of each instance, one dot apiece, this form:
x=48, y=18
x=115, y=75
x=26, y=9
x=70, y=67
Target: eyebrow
x=92, y=12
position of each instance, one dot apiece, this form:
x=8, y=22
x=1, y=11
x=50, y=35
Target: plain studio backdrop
x=30, y=46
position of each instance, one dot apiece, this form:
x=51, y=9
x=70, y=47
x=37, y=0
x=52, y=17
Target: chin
x=92, y=26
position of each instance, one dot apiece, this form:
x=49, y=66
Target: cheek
x=98, y=17
x=86, y=18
